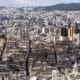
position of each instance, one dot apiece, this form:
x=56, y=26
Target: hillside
x=67, y=7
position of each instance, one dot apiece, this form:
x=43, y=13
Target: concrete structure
x=76, y=38
x=71, y=31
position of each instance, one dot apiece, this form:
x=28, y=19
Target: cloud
x=21, y=1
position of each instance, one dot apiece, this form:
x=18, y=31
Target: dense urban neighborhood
x=37, y=44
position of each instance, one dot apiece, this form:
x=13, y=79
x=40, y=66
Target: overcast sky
x=24, y=3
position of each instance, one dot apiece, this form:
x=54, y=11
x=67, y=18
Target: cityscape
x=39, y=44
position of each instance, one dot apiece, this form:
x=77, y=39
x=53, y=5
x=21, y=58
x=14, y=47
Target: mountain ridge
x=63, y=6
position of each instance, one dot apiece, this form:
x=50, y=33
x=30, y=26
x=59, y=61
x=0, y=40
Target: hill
x=67, y=7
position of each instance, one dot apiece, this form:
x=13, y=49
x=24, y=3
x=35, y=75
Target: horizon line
x=37, y=5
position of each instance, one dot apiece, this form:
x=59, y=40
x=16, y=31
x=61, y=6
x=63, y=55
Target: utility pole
x=29, y=51
x=55, y=54
x=4, y=45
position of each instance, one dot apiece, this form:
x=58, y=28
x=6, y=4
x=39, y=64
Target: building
x=63, y=34
x=71, y=31
x=76, y=38
x=48, y=33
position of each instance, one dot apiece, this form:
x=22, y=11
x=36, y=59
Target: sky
x=25, y=3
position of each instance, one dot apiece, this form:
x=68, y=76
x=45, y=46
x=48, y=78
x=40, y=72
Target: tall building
x=71, y=31
x=63, y=33
x=48, y=32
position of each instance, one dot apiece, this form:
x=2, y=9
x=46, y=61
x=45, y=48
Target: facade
x=76, y=39
x=71, y=31
x=48, y=33
x=63, y=34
